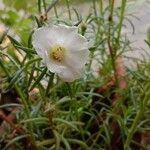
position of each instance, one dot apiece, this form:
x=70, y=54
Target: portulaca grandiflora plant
x=63, y=84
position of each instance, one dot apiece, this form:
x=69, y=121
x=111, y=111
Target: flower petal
x=62, y=32
x=53, y=66
x=77, y=59
x=76, y=42
x=69, y=75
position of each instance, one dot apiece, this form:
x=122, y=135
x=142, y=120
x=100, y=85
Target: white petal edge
x=69, y=74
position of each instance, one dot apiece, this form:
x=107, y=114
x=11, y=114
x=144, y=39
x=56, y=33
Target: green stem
x=94, y=7
x=45, y=142
x=111, y=3
x=22, y=96
x=112, y=50
x=44, y=5
x=122, y=12
x=68, y=7
x=137, y=119
x=101, y=6
x=39, y=6
x=56, y=13
x=69, y=89
x=50, y=82
x=90, y=61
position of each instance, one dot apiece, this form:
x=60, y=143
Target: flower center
x=57, y=53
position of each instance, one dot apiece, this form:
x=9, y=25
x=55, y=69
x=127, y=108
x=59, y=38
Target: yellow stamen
x=57, y=53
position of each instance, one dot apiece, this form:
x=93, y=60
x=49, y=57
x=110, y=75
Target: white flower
x=63, y=50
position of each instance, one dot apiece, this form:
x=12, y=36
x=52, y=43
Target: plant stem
x=110, y=45
x=101, y=6
x=69, y=90
x=94, y=7
x=44, y=4
x=50, y=82
x=68, y=7
x=122, y=12
x=55, y=11
x=111, y=3
x=39, y=7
